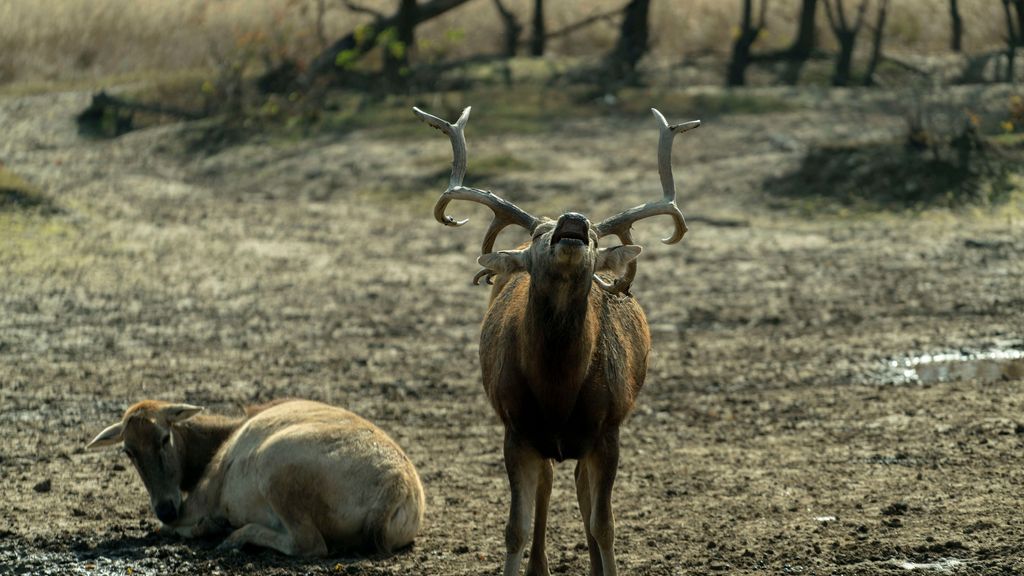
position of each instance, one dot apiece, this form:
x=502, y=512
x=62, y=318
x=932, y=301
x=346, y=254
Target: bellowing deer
x=301, y=477
x=563, y=350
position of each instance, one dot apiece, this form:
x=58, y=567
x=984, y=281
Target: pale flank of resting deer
x=301, y=477
x=563, y=350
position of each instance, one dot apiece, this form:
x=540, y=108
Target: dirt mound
x=16, y=193
x=967, y=170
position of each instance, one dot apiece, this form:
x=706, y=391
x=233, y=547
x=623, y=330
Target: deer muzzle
x=571, y=230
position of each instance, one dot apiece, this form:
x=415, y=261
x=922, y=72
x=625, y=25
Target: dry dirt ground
x=770, y=437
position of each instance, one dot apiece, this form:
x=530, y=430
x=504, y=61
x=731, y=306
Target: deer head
x=147, y=436
x=563, y=250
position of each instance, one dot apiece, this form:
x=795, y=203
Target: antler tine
x=456, y=133
x=666, y=137
x=621, y=223
x=505, y=212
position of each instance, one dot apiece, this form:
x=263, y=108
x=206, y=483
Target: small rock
x=44, y=486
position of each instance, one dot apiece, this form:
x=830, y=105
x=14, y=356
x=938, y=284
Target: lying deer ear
x=111, y=435
x=616, y=258
x=179, y=412
x=504, y=262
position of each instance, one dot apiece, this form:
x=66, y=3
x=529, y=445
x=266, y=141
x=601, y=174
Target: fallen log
x=112, y=116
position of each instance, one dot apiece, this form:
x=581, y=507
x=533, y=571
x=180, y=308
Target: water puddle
x=944, y=565
x=985, y=366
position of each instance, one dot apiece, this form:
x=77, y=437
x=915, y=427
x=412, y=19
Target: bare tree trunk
x=1011, y=41
x=1019, y=5
x=956, y=42
x=846, y=35
x=804, y=43
x=632, y=43
x=362, y=40
x=396, y=52
x=513, y=29
x=876, y=44
x=537, y=37
x=321, y=38
x=736, y=74
x=844, y=60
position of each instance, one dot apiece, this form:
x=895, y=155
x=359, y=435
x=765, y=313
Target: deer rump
x=323, y=467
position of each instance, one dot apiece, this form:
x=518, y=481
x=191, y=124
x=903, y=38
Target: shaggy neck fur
x=556, y=318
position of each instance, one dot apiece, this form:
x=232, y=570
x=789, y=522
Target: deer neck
x=199, y=440
x=557, y=321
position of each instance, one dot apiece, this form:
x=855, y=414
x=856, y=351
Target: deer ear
x=616, y=258
x=111, y=435
x=179, y=412
x=504, y=262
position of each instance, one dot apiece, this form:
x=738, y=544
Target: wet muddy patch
x=942, y=566
x=152, y=555
x=992, y=365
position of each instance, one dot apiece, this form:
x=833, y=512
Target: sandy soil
x=770, y=437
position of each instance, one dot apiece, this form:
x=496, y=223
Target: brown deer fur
x=563, y=350
x=563, y=362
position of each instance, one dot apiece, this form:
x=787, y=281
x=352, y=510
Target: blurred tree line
x=381, y=51
x=394, y=34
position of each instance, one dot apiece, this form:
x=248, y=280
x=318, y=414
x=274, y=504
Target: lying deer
x=563, y=350
x=301, y=477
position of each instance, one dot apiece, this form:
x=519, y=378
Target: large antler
x=505, y=212
x=621, y=223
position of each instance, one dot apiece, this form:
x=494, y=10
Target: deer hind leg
x=524, y=466
x=286, y=517
x=293, y=539
x=601, y=466
x=538, y=564
x=583, y=499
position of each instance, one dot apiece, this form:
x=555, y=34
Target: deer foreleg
x=524, y=466
x=601, y=466
x=538, y=564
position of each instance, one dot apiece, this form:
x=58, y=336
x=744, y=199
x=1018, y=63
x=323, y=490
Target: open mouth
x=571, y=232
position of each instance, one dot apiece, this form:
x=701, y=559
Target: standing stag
x=562, y=361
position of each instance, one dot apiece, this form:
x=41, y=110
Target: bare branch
x=760, y=17
x=842, y=14
x=360, y=9
x=861, y=10
x=828, y=13
x=570, y=28
x=362, y=40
